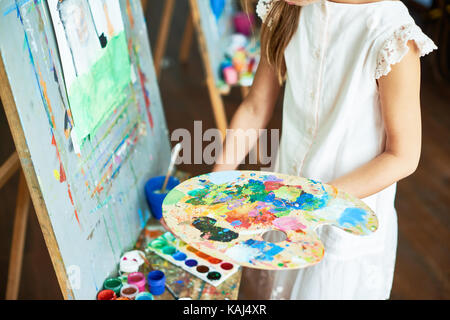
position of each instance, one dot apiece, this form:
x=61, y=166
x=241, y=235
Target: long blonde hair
x=277, y=31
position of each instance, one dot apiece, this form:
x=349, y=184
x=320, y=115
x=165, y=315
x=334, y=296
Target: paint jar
x=144, y=296
x=230, y=75
x=106, y=295
x=129, y=291
x=156, y=282
x=137, y=279
x=114, y=284
x=243, y=23
x=154, y=196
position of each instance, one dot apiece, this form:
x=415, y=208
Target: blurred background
x=423, y=200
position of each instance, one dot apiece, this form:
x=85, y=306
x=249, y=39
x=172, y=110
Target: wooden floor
x=423, y=201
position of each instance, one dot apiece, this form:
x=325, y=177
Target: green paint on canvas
x=96, y=94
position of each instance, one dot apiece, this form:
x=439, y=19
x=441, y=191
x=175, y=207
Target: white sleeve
x=395, y=47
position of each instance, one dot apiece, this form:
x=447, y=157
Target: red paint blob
x=226, y=266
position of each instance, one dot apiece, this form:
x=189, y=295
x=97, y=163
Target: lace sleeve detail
x=396, y=47
x=263, y=7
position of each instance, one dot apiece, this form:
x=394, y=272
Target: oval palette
x=261, y=220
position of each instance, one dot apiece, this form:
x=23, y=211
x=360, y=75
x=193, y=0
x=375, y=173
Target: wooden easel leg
x=214, y=94
x=144, y=6
x=8, y=168
x=186, y=42
x=163, y=33
x=18, y=239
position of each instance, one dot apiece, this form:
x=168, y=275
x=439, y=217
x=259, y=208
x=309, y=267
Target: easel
x=24, y=195
x=7, y=170
x=73, y=253
x=193, y=22
x=23, y=200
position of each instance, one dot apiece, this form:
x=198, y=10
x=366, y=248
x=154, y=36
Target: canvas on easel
x=85, y=174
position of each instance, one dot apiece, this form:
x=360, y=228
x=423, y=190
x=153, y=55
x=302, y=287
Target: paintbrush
x=174, y=295
x=175, y=152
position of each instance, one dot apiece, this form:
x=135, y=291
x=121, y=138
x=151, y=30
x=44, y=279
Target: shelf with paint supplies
x=241, y=54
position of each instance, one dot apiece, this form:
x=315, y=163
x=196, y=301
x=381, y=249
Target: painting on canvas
x=95, y=60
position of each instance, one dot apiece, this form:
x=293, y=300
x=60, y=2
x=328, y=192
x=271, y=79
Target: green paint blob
x=169, y=237
x=288, y=193
x=95, y=94
x=173, y=197
x=169, y=250
x=158, y=244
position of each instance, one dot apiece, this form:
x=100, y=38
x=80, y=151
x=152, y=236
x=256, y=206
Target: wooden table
x=183, y=283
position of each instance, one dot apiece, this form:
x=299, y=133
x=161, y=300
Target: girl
x=351, y=119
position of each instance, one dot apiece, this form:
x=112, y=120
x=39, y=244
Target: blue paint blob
x=222, y=177
x=180, y=256
x=236, y=223
x=191, y=263
x=217, y=7
x=351, y=217
x=267, y=250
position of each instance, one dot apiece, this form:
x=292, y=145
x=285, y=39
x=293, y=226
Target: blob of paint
x=202, y=255
x=213, y=260
x=226, y=266
x=214, y=276
x=191, y=263
x=169, y=237
x=351, y=217
x=202, y=269
x=180, y=256
x=191, y=249
x=158, y=244
x=169, y=250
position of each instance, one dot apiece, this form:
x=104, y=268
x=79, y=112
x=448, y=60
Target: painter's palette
x=210, y=269
x=233, y=216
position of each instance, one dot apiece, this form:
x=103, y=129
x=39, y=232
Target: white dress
x=332, y=124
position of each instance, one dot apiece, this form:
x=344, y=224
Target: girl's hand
x=165, y=226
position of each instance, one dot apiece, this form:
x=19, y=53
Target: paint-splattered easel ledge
x=183, y=283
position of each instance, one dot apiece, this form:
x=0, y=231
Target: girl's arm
x=253, y=114
x=400, y=103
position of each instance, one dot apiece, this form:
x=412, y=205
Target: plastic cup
x=106, y=295
x=114, y=284
x=137, y=279
x=129, y=291
x=156, y=282
x=155, y=198
x=144, y=296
